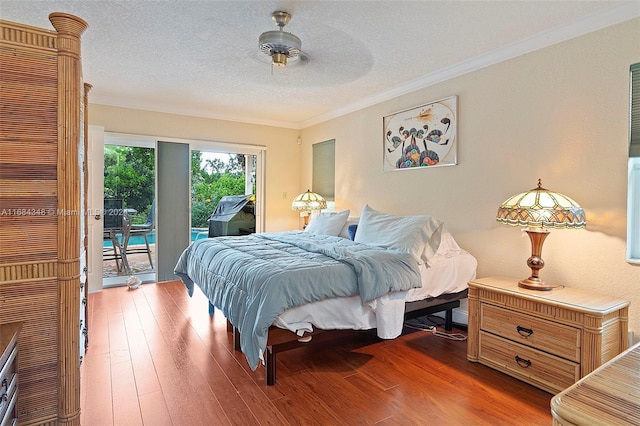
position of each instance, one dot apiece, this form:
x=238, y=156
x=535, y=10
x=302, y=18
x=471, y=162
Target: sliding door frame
x=151, y=141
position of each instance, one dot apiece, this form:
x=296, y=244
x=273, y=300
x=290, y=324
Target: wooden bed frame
x=281, y=340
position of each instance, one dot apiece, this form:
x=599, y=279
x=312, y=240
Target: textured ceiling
x=201, y=58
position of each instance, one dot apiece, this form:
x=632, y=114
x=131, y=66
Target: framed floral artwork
x=423, y=136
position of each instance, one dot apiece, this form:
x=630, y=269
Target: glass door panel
x=129, y=215
x=218, y=183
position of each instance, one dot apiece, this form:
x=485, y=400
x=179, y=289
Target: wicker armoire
x=42, y=205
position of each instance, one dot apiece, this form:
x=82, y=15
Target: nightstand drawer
x=557, y=339
x=541, y=369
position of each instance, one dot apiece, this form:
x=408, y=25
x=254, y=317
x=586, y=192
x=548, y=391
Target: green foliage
x=200, y=212
x=212, y=182
x=129, y=174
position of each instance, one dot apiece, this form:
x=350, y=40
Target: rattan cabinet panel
x=610, y=395
x=41, y=133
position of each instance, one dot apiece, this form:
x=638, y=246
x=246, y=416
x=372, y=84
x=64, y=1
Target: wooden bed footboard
x=281, y=340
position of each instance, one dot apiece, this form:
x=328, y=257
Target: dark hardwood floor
x=155, y=357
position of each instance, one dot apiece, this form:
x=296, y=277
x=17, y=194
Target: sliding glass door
x=129, y=236
x=167, y=190
x=222, y=184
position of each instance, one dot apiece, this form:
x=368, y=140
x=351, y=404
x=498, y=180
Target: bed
x=280, y=290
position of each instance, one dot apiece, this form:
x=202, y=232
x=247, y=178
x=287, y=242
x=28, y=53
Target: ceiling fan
x=279, y=44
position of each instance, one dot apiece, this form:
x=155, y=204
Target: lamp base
x=534, y=283
x=535, y=262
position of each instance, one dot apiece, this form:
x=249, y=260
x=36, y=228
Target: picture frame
x=421, y=137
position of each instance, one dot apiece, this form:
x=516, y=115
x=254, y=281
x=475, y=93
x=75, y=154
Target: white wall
x=560, y=114
x=283, y=152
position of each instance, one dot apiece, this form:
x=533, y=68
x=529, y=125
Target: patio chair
x=113, y=228
x=138, y=230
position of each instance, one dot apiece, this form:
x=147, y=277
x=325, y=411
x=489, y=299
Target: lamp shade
x=541, y=208
x=309, y=201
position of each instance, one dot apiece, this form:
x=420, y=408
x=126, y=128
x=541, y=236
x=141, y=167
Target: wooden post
x=70, y=98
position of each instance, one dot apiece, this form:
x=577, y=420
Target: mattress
x=255, y=278
x=447, y=273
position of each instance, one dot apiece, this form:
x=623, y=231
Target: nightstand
x=549, y=339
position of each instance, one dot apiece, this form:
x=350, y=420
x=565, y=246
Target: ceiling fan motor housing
x=280, y=45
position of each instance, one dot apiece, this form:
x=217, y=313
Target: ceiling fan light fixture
x=280, y=45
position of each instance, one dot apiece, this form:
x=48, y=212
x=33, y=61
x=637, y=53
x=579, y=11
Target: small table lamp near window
x=538, y=210
x=306, y=202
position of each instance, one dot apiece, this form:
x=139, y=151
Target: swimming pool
x=196, y=234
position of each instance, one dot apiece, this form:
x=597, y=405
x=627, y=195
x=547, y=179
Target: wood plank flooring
x=156, y=357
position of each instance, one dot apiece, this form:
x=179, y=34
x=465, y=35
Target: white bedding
x=448, y=272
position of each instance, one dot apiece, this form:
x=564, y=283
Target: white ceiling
x=201, y=58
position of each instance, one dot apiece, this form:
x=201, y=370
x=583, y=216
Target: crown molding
x=104, y=101
x=615, y=15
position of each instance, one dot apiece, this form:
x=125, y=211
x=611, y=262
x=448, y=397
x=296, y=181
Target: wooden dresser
x=9, y=373
x=609, y=395
x=549, y=339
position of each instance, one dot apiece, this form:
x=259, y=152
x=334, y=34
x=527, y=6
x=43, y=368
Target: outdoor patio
x=138, y=263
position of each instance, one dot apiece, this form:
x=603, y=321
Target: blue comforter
x=255, y=278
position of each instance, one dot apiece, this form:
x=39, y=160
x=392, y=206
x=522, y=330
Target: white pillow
x=448, y=246
x=328, y=223
x=416, y=235
x=447, y=243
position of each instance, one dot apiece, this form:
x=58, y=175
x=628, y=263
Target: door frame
x=95, y=206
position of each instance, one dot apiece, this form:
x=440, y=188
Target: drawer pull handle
x=524, y=332
x=524, y=363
